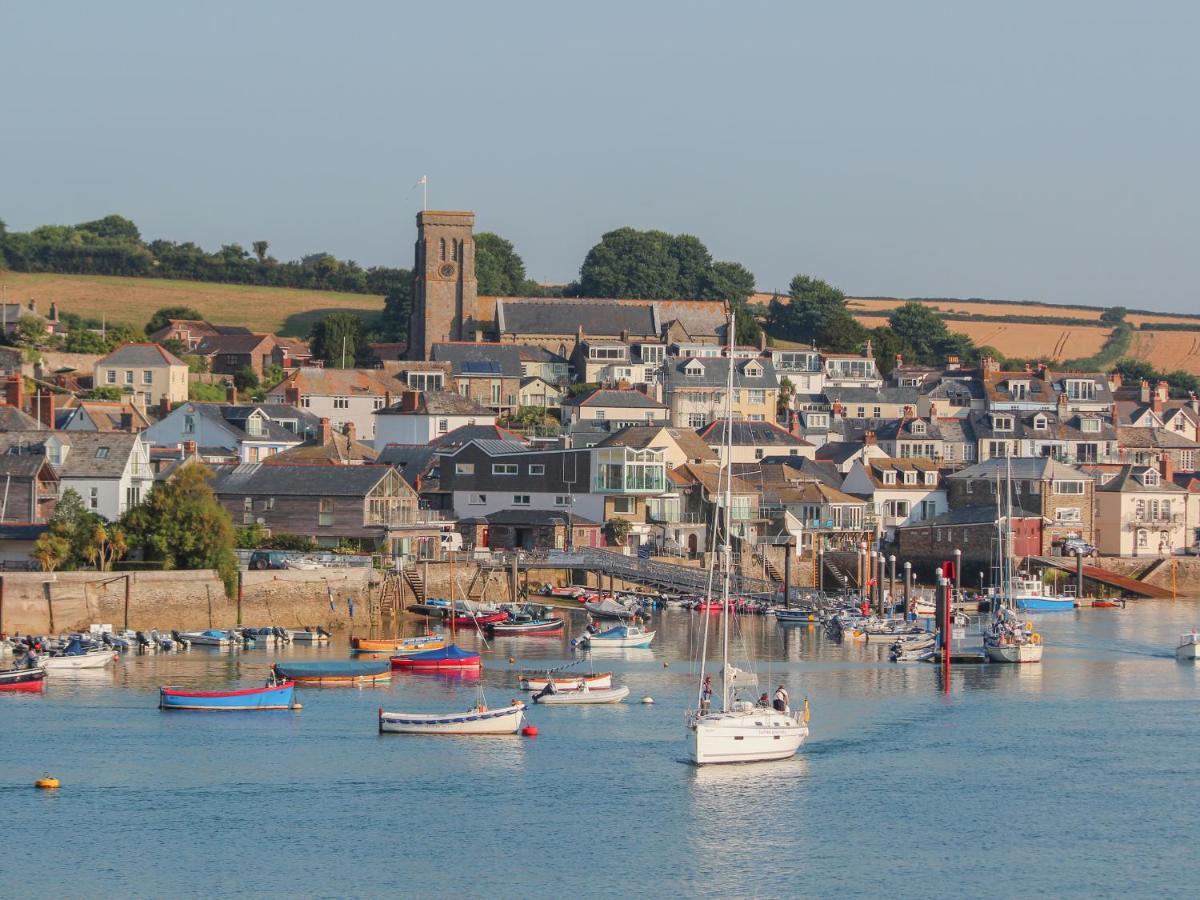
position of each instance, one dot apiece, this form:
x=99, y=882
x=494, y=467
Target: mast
x=726, y=550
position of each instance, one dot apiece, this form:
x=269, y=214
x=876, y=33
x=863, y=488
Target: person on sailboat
x=781, y=699
x=706, y=693
x=764, y=701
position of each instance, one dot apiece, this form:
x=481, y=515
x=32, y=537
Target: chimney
x=291, y=395
x=53, y=311
x=908, y=412
x=868, y=350
x=1043, y=371
x=189, y=449
x=230, y=392
x=1114, y=382
x=409, y=401
x=14, y=391
x=899, y=360
x=351, y=431
x=164, y=407
x=1164, y=391
x=326, y=432
x=762, y=342
x=32, y=306
x=1115, y=414
x=1166, y=465
x=1144, y=390
x=837, y=409
x=1193, y=402
x=1028, y=369
x=868, y=438
x=932, y=411
x=43, y=407
x=989, y=364
x=794, y=424
x=1062, y=405
x=1159, y=395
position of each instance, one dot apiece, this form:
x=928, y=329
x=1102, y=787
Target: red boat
x=444, y=658
x=463, y=621
x=22, y=679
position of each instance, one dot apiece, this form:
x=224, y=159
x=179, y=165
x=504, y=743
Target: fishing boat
x=739, y=730
x=608, y=608
x=477, y=720
x=594, y=681
x=794, y=616
x=571, y=592
x=1031, y=595
x=582, y=696
x=24, y=679
x=211, y=637
x=617, y=636
x=1188, y=646
x=470, y=620
x=398, y=646
x=316, y=635
x=335, y=673
x=272, y=696
x=518, y=626
x=449, y=657
x=76, y=656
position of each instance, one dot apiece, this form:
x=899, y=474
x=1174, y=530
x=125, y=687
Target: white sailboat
x=740, y=730
x=1008, y=639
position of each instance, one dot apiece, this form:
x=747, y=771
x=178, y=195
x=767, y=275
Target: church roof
x=604, y=317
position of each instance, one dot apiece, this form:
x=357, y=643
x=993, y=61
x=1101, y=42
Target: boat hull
x=397, y=648
x=22, y=679
x=1044, y=604
x=1014, y=653
x=332, y=675
x=1187, y=650
x=759, y=736
x=505, y=720
x=461, y=621
x=272, y=697
x=583, y=698
x=546, y=626
x=94, y=660
x=601, y=681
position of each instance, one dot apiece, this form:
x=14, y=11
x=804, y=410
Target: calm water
x=1075, y=777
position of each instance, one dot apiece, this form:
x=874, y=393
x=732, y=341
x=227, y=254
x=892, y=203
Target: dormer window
x=693, y=369
x=889, y=477
x=918, y=427
x=1089, y=424
x=1039, y=423
x=1078, y=389
x=1018, y=390
x=910, y=477
x=752, y=370
x=1150, y=478
x=930, y=479
x=1002, y=423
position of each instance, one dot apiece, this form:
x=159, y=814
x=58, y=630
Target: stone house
x=488, y=374
x=615, y=409
x=1140, y=513
x=696, y=389
x=343, y=396
x=228, y=354
x=146, y=373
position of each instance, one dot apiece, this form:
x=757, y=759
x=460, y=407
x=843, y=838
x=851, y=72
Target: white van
x=451, y=541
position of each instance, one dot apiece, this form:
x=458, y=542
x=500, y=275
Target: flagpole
x=425, y=193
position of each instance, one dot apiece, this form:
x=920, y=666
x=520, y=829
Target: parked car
x=1077, y=546
x=268, y=559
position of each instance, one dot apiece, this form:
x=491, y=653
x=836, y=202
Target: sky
x=1039, y=151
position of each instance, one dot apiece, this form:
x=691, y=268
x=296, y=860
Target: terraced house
x=696, y=389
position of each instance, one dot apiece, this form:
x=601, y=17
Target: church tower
x=445, y=293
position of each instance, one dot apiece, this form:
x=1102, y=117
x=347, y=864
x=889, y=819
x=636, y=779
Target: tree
x=1114, y=315
x=397, y=312
x=113, y=227
x=75, y=524
x=618, y=530
x=922, y=329
x=734, y=283
x=105, y=392
x=647, y=264
x=175, y=346
x=106, y=546
x=339, y=339
x=31, y=331
x=84, y=340
x=160, y=317
x=816, y=313
x=51, y=550
x=787, y=391
x=246, y=379
x=499, y=270
x=183, y=526
x=260, y=250
x=886, y=344
x=272, y=375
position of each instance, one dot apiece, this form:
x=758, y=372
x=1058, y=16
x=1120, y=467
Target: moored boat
x=1188, y=646
x=24, y=679
x=76, y=656
x=582, y=696
x=450, y=657
x=316, y=635
x=470, y=620
x=1031, y=595
x=272, y=696
x=334, y=673
x=398, y=646
x=477, y=720
x=211, y=637
x=617, y=636
x=596, y=681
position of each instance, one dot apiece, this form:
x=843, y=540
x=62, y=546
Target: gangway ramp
x=1103, y=576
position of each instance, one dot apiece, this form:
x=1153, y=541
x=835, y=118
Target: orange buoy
x=530, y=731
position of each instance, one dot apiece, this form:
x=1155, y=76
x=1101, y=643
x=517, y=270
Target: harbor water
x=1069, y=778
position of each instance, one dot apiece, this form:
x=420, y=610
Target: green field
x=132, y=301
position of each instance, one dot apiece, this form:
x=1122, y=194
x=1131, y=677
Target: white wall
x=419, y=428
x=589, y=506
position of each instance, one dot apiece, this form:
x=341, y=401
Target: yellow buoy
x=47, y=783
x=297, y=706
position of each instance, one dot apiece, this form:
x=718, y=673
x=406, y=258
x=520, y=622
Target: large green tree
x=340, y=340
x=816, y=313
x=75, y=525
x=183, y=526
x=648, y=264
x=734, y=283
x=922, y=329
x=499, y=269
x=165, y=313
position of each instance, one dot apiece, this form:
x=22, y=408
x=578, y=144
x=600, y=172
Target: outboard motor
x=143, y=642
x=321, y=631
x=281, y=634
x=179, y=639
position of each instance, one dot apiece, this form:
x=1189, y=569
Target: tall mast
x=726, y=550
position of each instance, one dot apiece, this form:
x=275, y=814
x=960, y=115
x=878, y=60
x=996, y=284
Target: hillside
x=132, y=301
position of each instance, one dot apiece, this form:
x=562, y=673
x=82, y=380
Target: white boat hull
x=581, y=698
x=594, y=682
x=310, y=637
x=95, y=660
x=639, y=640
x=1187, y=649
x=757, y=735
x=1014, y=653
x=198, y=639
x=505, y=720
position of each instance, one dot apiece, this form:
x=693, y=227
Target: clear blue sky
x=1013, y=150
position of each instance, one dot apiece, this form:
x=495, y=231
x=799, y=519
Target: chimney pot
x=189, y=449
x=1167, y=466
x=230, y=392
x=326, y=432
x=351, y=431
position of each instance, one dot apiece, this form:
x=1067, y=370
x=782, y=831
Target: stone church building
x=447, y=306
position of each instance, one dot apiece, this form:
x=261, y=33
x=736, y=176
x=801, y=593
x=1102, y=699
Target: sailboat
x=740, y=730
x=448, y=657
x=1008, y=639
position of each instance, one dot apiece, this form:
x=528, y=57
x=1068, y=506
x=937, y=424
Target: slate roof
x=234, y=418
x=1044, y=387
x=340, y=451
x=854, y=396
x=340, y=383
x=627, y=399
x=413, y=462
x=709, y=476
x=21, y=465
x=838, y=452
x=1127, y=479
x=140, y=354
x=472, y=359
x=105, y=415
x=783, y=469
x=971, y=515
x=302, y=481
x=716, y=373
x=1055, y=430
x=231, y=343
x=1024, y=468
x=92, y=454
x=531, y=517
x=1153, y=438
x=956, y=430
x=606, y=317
x=435, y=403
x=751, y=434
x=13, y=419
x=641, y=436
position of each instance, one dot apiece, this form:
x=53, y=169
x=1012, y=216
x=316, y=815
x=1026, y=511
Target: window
x=918, y=427
x=1002, y=423
x=910, y=477
x=325, y=512
x=562, y=500
x=756, y=417
x=443, y=426
x=693, y=369
x=1039, y=423
x=931, y=479
x=998, y=448
x=752, y=370
x=341, y=402
x=378, y=403
x=1081, y=390
x=818, y=420
x=247, y=510
x=697, y=420
x=862, y=412
x=758, y=452
x=537, y=469
x=147, y=376
x=1150, y=478
x=624, y=505
x=520, y=499
x=653, y=353
x=600, y=414
x=269, y=504
x=1187, y=460
x=464, y=468
x=1089, y=424
x=426, y=381
x=1069, y=487
x=889, y=477
x=877, y=412
x=477, y=499
x=146, y=400
x=101, y=453
x=756, y=396
x=129, y=376
x=1018, y=390
x=504, y=468
x=133, y=496
x=93, y=498
x=1067, y=514
x=254, y=426
x=464, y=389
x=110, y=376
x=305, y=401
x=495, y=393
x=607, y=353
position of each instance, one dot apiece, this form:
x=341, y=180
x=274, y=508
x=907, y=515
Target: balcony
x=406, y=517
x=1146, y=520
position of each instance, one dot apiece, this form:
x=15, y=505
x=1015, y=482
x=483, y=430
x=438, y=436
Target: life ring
x=1035, y=638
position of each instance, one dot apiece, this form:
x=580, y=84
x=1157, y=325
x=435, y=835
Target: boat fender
x=530, y=731
x=47, y=783
x=1035, y=638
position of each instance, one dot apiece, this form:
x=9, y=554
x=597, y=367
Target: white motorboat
x=738, y=731
x=209, y=638
x=477, y=720
x=617, y=636
x=92, y=659
x=1188, y=646
x=598, y=681
x=609, y=608
x=311, y=636
x=582, y=696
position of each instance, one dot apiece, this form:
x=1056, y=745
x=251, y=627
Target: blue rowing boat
x=334, y=672
x=273, y=696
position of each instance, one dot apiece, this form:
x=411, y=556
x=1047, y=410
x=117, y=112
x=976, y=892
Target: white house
x=421, y=416
x=109, y=470
x=343, y=396
x=252, y=432
x=902, y=491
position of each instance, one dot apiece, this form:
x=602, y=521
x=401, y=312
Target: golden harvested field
x=1168, y=351
x=1024, y=340
x=132, y=301
x=883, y=304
